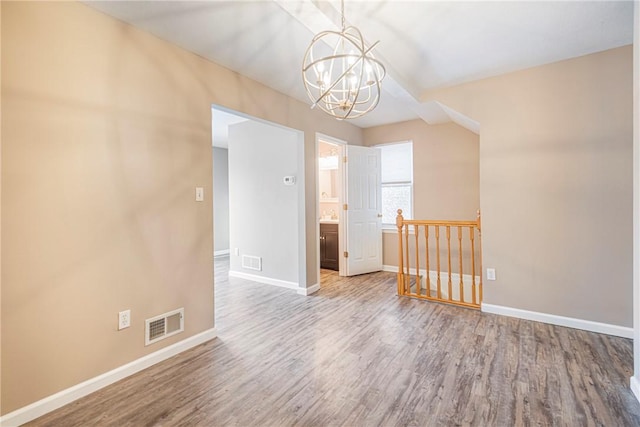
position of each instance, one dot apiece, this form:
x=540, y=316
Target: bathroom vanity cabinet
x=329, y=246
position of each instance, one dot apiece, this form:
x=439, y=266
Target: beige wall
x=106, y=132
x=445, y=172
x=556, y=184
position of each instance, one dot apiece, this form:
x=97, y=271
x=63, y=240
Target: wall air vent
x=252, y=262
x=163, y=326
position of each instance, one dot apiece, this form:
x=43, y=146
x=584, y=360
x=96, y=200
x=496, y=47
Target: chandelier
x=340, y=74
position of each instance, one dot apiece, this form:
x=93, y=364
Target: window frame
x=392, y=226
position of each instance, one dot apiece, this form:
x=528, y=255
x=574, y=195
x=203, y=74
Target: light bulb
x=353, y=79
x=320, y=73
x=351, y=59
x=369, y=70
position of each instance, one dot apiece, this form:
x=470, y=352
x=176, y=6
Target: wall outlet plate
x=199, y=194
x=491, y=274
x=124, y=319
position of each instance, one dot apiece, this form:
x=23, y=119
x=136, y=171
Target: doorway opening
x=262, y=199
x=348, y=178
x=330, y=188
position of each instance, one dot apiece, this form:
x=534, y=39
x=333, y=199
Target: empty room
x=320, y=213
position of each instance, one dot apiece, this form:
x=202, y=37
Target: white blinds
x=397, y=163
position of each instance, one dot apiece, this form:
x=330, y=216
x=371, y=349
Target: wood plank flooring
x=355, y=354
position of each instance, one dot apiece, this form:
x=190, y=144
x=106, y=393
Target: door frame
x=341, y=242
x=300, y=183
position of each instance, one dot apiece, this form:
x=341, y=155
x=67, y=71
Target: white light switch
x=491, y=274
x=199, y=194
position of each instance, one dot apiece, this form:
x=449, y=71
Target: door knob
x=379, y=215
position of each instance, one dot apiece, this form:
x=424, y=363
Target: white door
x=363, y=216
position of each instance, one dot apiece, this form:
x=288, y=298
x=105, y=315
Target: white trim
x=587, y=325
x=221, y=253
x=276, y=282
x=320, y=137
x=64, y=397
x=388, y=229
x=310, y=290
x=467, y=281
x=433, y=274
x=570, y=322
x=265, y=280
x=635, y=387
x=636, y=198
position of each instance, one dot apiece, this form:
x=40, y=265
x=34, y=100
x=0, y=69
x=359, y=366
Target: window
x=397, y=181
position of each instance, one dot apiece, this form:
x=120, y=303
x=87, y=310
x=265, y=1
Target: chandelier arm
x=326, y=58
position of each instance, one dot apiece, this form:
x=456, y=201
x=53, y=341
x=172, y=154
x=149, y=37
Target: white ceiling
x=424, y=44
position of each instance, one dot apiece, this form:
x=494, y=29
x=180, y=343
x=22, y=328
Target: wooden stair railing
x=463, y=286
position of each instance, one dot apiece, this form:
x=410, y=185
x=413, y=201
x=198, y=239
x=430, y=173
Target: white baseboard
x=64, y=397
x=587, y=325
x=275, y=282
x=310, y=290
x=467, y=281
x=635, y=387
x=570, y=322
x=394, y=230
x=390, y=268
x=221, y=253
x=265, y=280
x=433, y=275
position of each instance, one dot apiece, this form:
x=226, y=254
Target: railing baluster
x=416, y=229
x=439, y=291
x=407, y=284
x=399, y=224
x=473, y=265
x=460, y=259
x=479, y=225
x=428, y=276
x=449, y=284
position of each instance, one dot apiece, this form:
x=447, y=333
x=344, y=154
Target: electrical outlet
x=124, y=319
x=491, y=274
x=236, y=251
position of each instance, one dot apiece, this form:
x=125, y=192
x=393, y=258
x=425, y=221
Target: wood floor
x=355, y=354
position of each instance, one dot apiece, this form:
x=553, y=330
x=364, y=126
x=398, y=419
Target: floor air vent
x=163, y=326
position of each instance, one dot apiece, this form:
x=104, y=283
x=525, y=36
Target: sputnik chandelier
x=340, y=74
